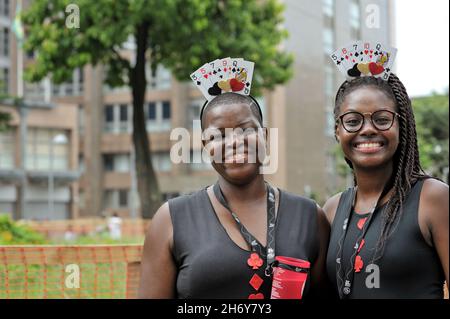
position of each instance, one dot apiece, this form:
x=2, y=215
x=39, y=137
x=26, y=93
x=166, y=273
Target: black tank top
x=409, y=267
x=211, y=265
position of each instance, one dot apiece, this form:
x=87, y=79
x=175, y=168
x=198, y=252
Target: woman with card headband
x=389, y=236
x=222, y=241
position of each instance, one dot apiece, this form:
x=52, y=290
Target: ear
x=336, y=133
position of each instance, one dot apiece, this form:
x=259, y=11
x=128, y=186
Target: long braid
x=407, y=168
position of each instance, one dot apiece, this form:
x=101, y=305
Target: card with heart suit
x=338, y=58
x=202, y=80
x=224, y=75
x=365, y=58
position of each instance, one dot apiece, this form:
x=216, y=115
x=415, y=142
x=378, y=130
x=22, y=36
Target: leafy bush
x=14, y=233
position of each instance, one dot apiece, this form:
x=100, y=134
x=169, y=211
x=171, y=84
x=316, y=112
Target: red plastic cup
x=289, y=278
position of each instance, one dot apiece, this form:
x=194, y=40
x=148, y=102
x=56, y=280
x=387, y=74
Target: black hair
x=232, y=98
x=407, y=169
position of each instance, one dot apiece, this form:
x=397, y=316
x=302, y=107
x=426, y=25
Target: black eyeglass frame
x=395, y=114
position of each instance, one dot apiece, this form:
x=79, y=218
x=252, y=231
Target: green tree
x=431, y=115
x=179, y=34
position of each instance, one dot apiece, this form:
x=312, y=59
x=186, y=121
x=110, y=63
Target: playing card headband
x=224, y=75
x=365, y=58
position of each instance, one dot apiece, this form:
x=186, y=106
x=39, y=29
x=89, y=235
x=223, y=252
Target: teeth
x=368, y=145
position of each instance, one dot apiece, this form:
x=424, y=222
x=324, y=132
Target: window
x=5, y=42
x=80, y=80
x=123, y=198
x=116, y=162
x=161, y=79
x=108, y=162
x=7, y=150
x=123, y=112
x=166, y=110
x=123, y=118
x=109, y=118
x=158, y=116
x=161, y=161
x=152, y=111
x=44, y=151
x=108, y=199
x=121, y=163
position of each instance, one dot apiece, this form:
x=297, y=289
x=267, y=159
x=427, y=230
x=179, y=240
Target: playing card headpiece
x=365, y=58
x=224, y=75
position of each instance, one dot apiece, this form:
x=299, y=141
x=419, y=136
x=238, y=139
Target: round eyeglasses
x=382, y=120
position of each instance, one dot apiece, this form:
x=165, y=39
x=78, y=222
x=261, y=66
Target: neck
x=251, y=191
x=372, y=182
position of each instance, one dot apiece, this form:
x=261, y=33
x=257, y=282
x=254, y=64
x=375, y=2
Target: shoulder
x=330, y=207
x=185, y=201
x=161, y=226
x=434, y=190
x=434, y=202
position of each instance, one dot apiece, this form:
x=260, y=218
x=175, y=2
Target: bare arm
x=158, y=269
x=434, y=219
x=330, y=207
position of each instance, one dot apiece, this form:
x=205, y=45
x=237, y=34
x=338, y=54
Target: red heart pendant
x=375, y=68
x=236, y=85
x=256, y=296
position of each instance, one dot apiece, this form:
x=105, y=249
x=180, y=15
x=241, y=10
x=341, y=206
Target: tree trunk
x=147, y=183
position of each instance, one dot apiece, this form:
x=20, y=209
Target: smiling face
x=369, y=147
x=235, y=149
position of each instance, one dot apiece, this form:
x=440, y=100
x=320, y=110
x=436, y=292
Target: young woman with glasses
x=390, y=233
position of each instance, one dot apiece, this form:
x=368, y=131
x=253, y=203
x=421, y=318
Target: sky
x=422, y=32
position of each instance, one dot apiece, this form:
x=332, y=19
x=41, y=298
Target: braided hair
x=406, y=169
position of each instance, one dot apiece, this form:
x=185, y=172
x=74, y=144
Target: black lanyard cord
x=345, y=282
x=256, y=246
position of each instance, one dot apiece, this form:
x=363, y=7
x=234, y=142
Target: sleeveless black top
x=211, y=265
x=409, y=267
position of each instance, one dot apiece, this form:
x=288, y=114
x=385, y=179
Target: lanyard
x=255, y=245
x=345, y=282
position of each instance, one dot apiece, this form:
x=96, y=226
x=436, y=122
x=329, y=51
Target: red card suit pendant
x=361, y=222
x=256, y=282
x=358, y=263
x=255, y=261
